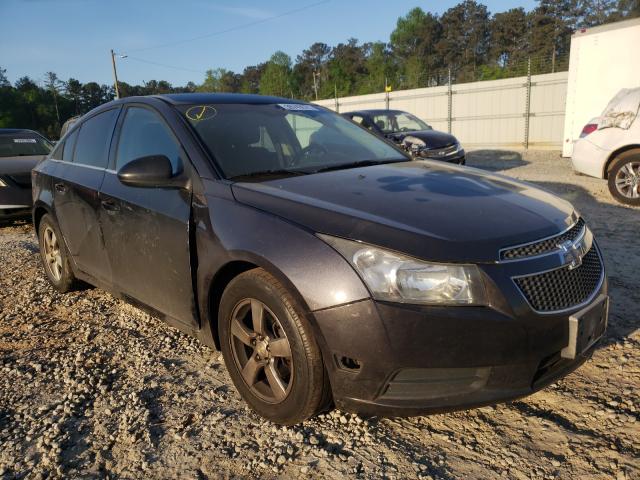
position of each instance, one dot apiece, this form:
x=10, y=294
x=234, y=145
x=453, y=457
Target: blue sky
x=73, y=37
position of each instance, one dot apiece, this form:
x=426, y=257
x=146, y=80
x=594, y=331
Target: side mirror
x=150, y=171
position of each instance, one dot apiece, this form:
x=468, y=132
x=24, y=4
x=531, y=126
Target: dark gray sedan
x=327, y=266
x=20, y=151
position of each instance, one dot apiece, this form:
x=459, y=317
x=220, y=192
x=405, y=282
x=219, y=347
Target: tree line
x=465, y=43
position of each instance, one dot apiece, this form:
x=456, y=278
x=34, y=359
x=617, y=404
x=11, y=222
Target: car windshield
x=19, y=145
x=284, y=139
x=393, y=122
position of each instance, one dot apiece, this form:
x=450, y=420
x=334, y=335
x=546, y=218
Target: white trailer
x=603, y=60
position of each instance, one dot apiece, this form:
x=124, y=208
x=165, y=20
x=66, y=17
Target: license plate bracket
x=586, y=327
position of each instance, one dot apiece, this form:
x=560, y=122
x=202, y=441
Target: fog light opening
x=348, y=363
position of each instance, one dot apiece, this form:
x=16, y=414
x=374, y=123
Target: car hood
x=432, y=138
x=426, y=209
x=21, y=164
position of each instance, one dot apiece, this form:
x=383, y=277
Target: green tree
x=4, y=81
x=465, y=38
x=310, y=70
x=413, y=42
x=250, y=78
x=73, y=89
x=346, y=69
x=598, y=12
x=53, y=84
x=276, y=76
x=508, y=37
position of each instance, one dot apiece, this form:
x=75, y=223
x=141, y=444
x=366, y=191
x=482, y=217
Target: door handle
x=61, y=188
x=110, y=206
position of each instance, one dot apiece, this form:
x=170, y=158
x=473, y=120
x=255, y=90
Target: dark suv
x=324, y=263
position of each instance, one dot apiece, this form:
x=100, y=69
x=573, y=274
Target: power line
x=158, y=64
x=232, y=29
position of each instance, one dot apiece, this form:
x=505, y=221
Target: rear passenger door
x=76, y=201
x=146, y=230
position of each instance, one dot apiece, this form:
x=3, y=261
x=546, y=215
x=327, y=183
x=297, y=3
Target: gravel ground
x=92, y=387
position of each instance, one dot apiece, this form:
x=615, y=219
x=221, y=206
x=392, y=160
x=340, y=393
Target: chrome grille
x=439, y=152
x=563, y=288
x=542, y=246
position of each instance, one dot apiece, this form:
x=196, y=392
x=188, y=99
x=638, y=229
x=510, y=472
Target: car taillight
x=588, y=128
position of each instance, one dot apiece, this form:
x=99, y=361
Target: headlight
x=413, y=142
x=2, y=184
x=398, y=278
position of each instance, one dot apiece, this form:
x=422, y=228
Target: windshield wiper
x=361, y=163
x=268, y=173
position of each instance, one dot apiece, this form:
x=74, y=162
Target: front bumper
x=457, y=157
x=402, y=360
x=15, y=201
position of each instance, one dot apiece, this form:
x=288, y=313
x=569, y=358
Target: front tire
x=269, y=349
x=624, y=177
x=54, y=255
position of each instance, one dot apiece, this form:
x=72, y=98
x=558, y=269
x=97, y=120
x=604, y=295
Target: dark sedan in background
x=20, y=151
x=410, y=133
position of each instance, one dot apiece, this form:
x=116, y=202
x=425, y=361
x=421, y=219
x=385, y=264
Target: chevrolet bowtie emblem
x=572, y=253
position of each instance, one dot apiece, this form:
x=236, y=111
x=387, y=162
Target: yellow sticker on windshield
x=201, y=112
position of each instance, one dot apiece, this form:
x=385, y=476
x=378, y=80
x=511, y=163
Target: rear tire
x=270, y=351
x=54, y=255
x=624, y=177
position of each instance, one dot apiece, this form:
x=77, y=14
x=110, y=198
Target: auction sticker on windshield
x=297, y=107
x=24, y=140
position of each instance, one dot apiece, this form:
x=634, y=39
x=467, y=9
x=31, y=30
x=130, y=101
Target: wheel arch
x=614, y=155
x=241, y=263
x=40, y=209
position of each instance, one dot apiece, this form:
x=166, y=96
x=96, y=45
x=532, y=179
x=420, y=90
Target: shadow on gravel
x=495, y=160
x=16, y=222
x=530, y=410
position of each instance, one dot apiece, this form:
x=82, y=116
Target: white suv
x=612, y=153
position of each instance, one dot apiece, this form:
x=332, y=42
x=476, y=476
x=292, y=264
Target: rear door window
x=92, y=147
x=143, y=134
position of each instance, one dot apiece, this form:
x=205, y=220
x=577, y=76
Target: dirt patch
x=92, y=387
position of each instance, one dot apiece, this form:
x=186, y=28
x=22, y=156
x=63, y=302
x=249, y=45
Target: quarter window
x=57, y=152
x=94, y=138
x=144, y=134
x=69, y=143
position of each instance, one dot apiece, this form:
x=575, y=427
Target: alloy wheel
x=52, y=253
x=628, y=180
x=261, y=350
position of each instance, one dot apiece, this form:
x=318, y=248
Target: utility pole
x=527, y=112
x=386, y=93
x=315, y=84
x=115, y=74
x=449, y=101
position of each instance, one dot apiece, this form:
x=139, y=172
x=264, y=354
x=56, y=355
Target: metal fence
x=519, y=113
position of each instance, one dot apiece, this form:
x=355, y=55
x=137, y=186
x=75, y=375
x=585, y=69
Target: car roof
x=18, y=131
x=220, y=98
x=374, y=111
x=176, y=99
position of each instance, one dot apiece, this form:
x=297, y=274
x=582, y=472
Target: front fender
x=314, y=271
